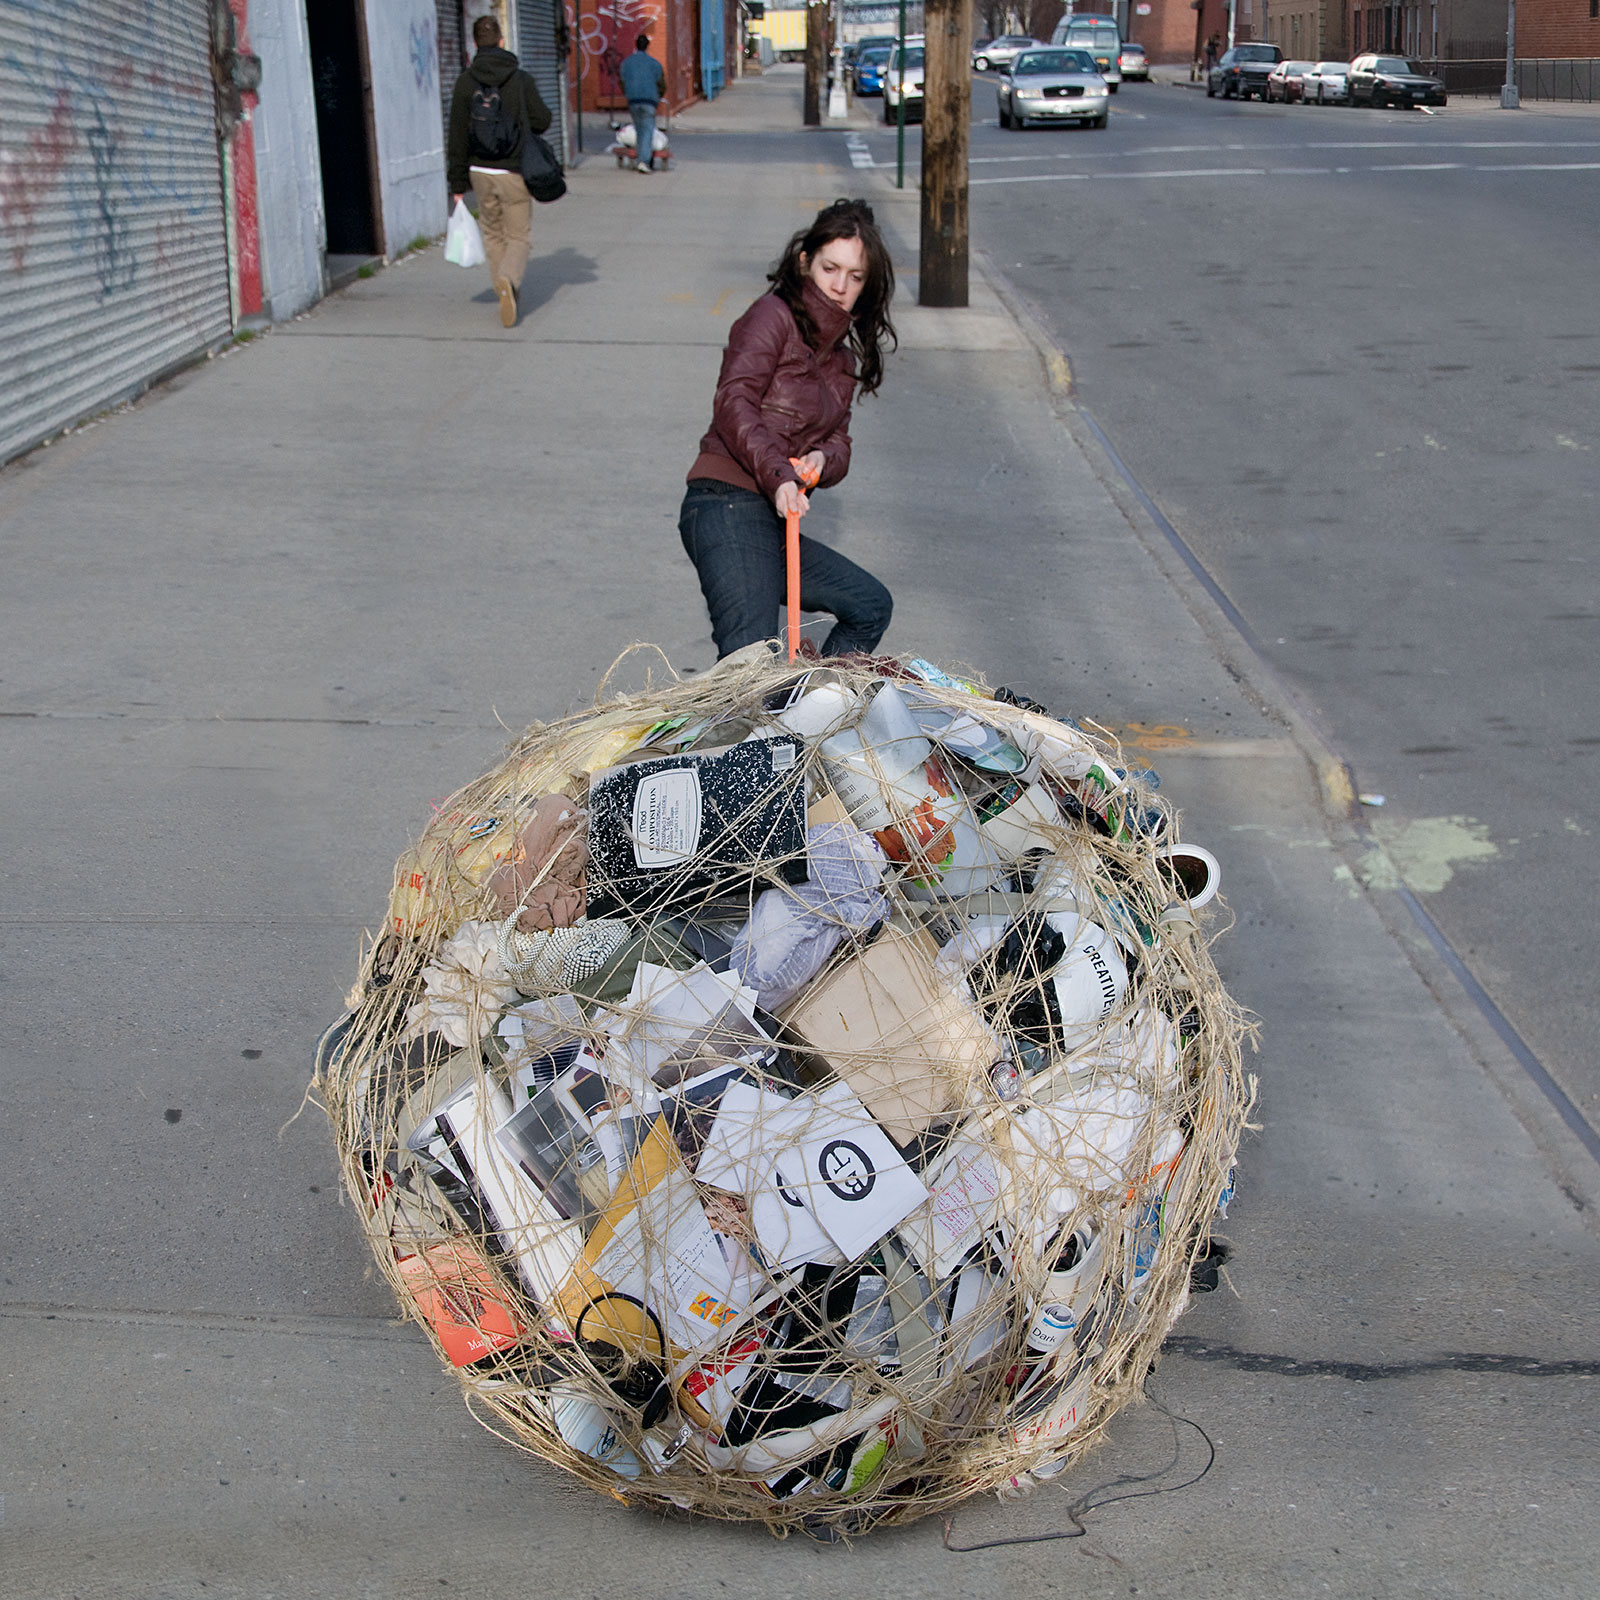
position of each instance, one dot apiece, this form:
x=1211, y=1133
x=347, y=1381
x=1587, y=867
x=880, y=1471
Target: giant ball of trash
x=797, y=1093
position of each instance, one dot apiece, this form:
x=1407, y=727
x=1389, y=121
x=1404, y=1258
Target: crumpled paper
x=465, y=987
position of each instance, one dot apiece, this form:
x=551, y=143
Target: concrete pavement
x=256, y=623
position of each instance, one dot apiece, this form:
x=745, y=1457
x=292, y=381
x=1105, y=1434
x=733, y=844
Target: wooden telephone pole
x=946, y=119
x=816, y=61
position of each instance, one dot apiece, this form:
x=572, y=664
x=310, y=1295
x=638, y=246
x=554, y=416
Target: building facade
x=174, y=170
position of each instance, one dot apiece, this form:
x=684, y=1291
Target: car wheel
x=1113, y=87
x=1211, y=90
x=1005, y=115
x=980, y=65
x=888, y=111
x=1101, y=120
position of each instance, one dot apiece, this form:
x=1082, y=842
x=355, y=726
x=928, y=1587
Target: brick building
x=1558, y=28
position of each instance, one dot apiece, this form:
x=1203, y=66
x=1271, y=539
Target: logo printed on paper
x=846, y=1169
x=709, y=1309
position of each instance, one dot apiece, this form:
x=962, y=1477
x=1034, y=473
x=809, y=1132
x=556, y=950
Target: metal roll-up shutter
x=452, y=53
x=113, y=250
x=539, y=53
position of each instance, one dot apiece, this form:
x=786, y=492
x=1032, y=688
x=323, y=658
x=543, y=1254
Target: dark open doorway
x=342, y=87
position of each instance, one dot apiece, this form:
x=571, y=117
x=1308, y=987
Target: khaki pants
x=505, y=214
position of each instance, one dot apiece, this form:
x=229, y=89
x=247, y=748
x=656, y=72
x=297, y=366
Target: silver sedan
x=1053, y=86
x=1325, y=83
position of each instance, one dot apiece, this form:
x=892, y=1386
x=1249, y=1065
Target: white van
x=1100, y=36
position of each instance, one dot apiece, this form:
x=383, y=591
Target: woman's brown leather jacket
x=778, y=398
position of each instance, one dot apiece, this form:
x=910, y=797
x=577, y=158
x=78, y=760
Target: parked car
x=1325, y=82
x=1052, y=86
x=997, y=52
x=1099, y=35
x=1287, y=80
x=869, y=68
x=1392, y=81
x=1132, y=62
x=1242, y=71
x=903, y=77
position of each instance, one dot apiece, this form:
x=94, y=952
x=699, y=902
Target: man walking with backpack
x=644, y=83
x=496, y=106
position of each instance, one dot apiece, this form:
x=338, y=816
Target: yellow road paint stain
x=683, y=299
x=1155, y=735
x=719, y=302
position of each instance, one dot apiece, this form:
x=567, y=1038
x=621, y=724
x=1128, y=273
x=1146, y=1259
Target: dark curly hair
x=870, y=328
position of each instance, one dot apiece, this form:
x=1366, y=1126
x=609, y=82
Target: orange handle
x=791, y=534
x=792, y=542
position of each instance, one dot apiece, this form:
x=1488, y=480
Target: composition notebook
x=671, y=833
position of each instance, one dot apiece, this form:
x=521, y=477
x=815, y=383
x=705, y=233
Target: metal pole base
x=1510, y=100
x=837, y=108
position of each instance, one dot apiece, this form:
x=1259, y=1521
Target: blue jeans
x=735, y=539
x=643, y=113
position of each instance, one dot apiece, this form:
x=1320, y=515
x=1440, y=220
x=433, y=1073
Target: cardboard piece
x=903, y=1042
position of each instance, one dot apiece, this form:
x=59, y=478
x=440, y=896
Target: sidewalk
x=254, y=625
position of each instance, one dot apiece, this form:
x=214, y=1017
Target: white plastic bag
x=463, y=244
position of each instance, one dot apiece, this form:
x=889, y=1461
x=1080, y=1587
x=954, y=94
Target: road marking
x=1125, y=176
x=1122, y=177
x=1548, y=166
x=860, y=155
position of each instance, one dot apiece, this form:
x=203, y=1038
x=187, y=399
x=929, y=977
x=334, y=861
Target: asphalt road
x=1352, y=356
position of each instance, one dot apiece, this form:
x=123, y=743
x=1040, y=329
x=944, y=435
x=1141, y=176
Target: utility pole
x=900, y=109
x=946, y=122
x=1510, y=100
x=816, y=60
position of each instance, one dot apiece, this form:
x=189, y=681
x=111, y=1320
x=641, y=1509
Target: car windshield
x=876, y=56
x=1393, y=64
x=1290, y=68
x=1133, y=49
x=1053, y=61
x=1257, y=52
x=1332, y=69
x=912, y=58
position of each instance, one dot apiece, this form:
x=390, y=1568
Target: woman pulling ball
x=780, y=423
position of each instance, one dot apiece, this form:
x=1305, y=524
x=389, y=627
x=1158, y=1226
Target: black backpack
x=492, y=132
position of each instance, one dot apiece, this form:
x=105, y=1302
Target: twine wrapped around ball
x=796, y=1094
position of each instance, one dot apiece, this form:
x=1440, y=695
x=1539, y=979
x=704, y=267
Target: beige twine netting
x=797, y=1093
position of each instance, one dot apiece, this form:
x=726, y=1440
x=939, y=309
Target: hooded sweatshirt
x=519, y=94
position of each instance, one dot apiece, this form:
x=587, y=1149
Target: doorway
x=341, y=86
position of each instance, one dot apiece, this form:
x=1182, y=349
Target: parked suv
x=1243, y=72
x=1392, y=81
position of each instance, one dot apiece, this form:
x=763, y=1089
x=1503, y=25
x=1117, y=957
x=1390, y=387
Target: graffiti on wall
x=425, y=52
x=97, y=146
x=605, y=37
